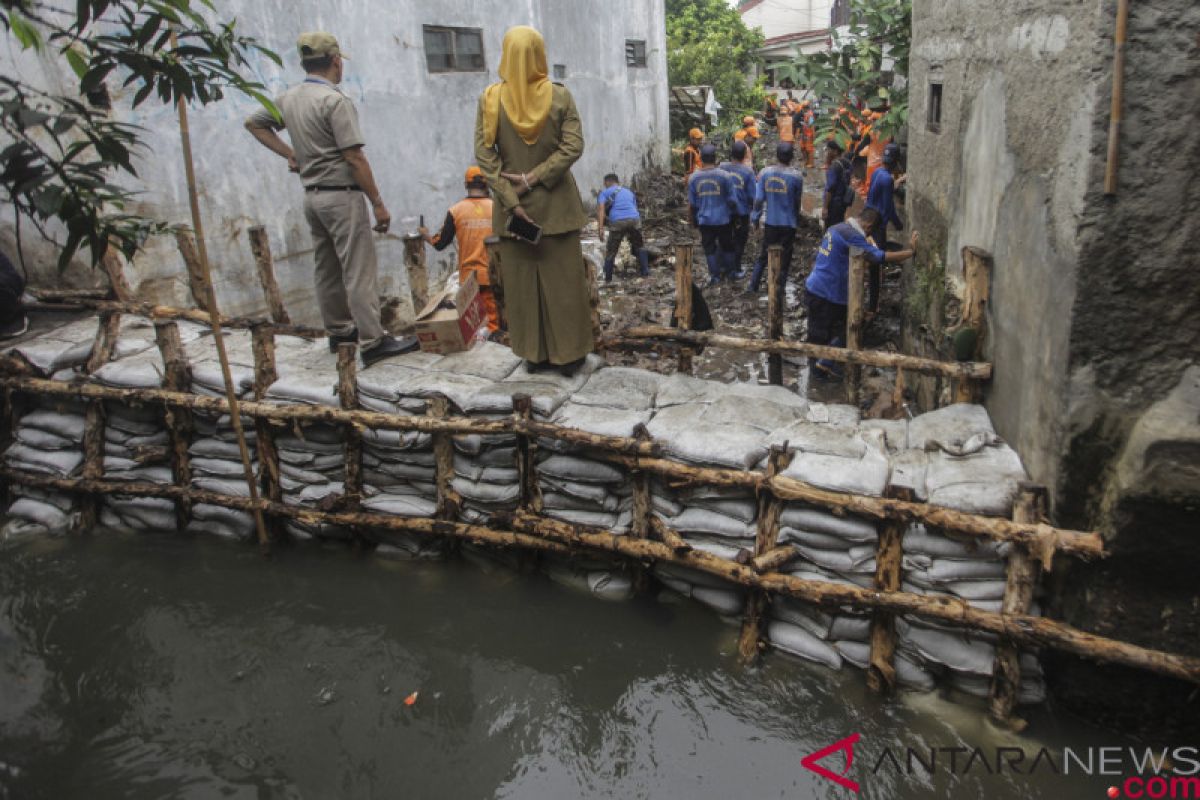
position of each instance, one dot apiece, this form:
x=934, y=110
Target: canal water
x=163, y=667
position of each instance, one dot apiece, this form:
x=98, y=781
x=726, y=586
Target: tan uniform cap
x=318, y=43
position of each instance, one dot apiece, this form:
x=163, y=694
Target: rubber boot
x=756, y=277
x=730, y=265
x=609, y=264
x=714, y=268
x=643, y=257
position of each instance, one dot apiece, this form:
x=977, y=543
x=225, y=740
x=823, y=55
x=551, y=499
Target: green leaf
x=26, y=34
x=78, y=63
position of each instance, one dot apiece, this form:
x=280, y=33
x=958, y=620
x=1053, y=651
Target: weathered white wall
x=419, y=128
x=782, y=17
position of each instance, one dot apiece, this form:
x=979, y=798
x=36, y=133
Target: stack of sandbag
x=706, y=424
x=485, y=466
x=48, y=440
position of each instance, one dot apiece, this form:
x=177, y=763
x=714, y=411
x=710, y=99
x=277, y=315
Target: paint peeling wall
x=419, y=129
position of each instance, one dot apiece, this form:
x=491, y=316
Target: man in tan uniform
x=327, y=151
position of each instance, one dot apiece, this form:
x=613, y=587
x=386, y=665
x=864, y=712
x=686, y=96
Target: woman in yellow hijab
x=527, y=136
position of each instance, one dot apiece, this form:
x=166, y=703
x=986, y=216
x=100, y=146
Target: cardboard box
x=451, y=330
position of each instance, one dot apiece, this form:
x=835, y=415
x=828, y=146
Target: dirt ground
x=631, y=300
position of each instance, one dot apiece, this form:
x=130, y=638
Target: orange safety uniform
x=785, y=127
x=806, y=135
x=691, y=154
x=470, y=222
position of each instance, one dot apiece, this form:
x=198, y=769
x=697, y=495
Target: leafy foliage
x=63, y=155
x=867, y=64
x=709, y=45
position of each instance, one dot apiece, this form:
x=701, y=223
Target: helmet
x=747, y=120
x=474, y=176
x=891, y=153
x=695, y=133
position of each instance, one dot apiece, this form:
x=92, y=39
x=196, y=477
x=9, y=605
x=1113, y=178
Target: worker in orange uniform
x=771, y=111
x=806, y=133
x=470, y=222
x=691, y=154
x=748, y=133
x=872, y=149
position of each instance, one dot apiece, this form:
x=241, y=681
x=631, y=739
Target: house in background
x=791, y=28
x=415, y=73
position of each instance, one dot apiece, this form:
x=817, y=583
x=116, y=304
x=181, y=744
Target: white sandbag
x=608, y=503
x=727, y=549
x=860, y=559
x=62, y=463
x=798, y=642
x=595, y=519
x=952, y=650
x=490, y=493
x=850, y=628
x=599, y=420
x=919, y=540
x=744, y=510
x=43, y=440
x=867, y=475
x=401, y=505
x=488, y=360
x=822, y=439
x=619, y=388
x=856, y=653
x=811, y=618
x=849, y=529
x=475, y=472
x=727, y=602
x=701, y=520
x=584, y=470
x=983, y=483
x=945, y=570
x=49, y=517
x=908, y=472
x=684, y=433
x=953, y=423
x=594, y=493
x=467, y=392
x=67, y=425
x=838, y=415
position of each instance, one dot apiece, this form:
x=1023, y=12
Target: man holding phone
x=327, y=152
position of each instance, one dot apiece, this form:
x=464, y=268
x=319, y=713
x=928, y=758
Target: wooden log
x=889, y=553
x=68, y=295
x=617, y=450
x=855, y=317
x=347, y=368
x=105, y=343
x=774, y=559
x=262, y=339
x=866, y=357
x=114, y=267
x=186, y=242
x=683, y=299
x=774, y=312
x=531, y=495
x=418, y=272
x=669, y=537
x=1030, y=507
x=551, y=534
x=103, y=347
x=156, y=312
x=177, y=378
x=594, y=305
x=977, y=274
x=496, y=277
x=448, y=500
x=260, y=245
x=643, y=513
x=769, y=509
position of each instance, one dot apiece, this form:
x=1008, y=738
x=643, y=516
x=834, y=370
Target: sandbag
x=798, y=642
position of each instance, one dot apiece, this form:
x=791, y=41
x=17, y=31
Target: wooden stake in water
x=215, y=315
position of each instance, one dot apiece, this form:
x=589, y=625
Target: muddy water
x=145, y=667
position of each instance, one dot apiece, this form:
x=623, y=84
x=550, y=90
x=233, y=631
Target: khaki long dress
x=545, y=285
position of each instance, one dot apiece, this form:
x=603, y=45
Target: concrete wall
x=783, y=17
x=419, y=129
x=1094, y=330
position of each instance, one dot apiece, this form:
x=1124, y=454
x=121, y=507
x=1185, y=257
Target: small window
x=560, y=72
x=635, y=53
x=453, y=49
x=933, y=120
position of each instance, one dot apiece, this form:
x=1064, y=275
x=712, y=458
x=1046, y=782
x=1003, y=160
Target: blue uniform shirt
x=710, y=192
x=624, y=203
x=743, y=186
x=879, y=196
x=835, y=181
x=778, y=194
x=830, y=277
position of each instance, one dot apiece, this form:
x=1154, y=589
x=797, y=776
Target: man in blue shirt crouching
x=617, y=207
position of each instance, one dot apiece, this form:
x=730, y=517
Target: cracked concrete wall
x=419, y=129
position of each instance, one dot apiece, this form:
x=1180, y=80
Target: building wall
x=782, y=17
x=419, y=129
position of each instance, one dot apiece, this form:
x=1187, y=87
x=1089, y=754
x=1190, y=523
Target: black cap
x=738, y=151
x=708, y=153
x=784, y=151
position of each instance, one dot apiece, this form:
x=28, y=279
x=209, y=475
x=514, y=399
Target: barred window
x=453, y=49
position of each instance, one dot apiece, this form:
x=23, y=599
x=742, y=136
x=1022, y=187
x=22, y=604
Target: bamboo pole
x=977, y=273
x=769, y=509
x=1118, y=98
x=262, y=339
x=205, y=278
x=156, y=312
x=774, y=312
x=855, y=316
x=683, y=300
x=545, y=534
x=889, y=554
x=418, y=272
x=347, y=358
x=177, y=377
x=865, y=357
x=260, y=245
x=1030, y=506
x=618, y=450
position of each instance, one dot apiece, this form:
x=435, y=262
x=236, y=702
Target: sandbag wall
x=950, y=457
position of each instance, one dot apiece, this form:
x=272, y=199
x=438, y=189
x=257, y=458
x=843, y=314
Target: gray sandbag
x=64, y=347
x=797, y=641
x=396, y=440
x=744, y=509
x=309, y=387
x=867, y=475
x=920, y=540
x=948, y=570
x=688, y=575
x=583, y=470
x=401, y=505
x=43, y=440
x=725, y=601
x=488, y=360
x=953, y=650
x=597, y=420
x=387, y=381
x=49, y=517
x=475, y=472
x=612, y=584
x=609, y=503
x=1030, y=691
x=610, y=521
x=68, y=425
x=619, y=388
x=721, y=548
x=795, y=612
x=983, y=483
x=143, y=371
x=487, y=493
x=458, y=389
x=701, y=520
x=811, y=437
x=62, y=463
x=849, y=529
x=851, y=628
x=838, y=415
x=686, y=432
x=858, y=559
x=592, y=493
x=950, y=424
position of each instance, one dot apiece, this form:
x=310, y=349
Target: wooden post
x=1029, y=507
x=774, y=312
x=683, y=300
x=260, y=245
x=855, y=311
x=177, y=377
x=594, y=303
x=889, y=554
x=448, y=500
x=262, y=338
x=977, y=274
x=643, y=512
x=186, y=242
x=121, y=289
x=494, y=275
x=531, y=496
x=93, y=424
x=347, y=367
x=769, y=509
x=418, y=273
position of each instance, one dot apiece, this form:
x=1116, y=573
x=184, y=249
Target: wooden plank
x=260, y=245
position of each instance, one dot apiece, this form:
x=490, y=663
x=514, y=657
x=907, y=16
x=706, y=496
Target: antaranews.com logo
x=1166, y=772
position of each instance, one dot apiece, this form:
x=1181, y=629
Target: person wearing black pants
x=777, y=206
x=881, y=199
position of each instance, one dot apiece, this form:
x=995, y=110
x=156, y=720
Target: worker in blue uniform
x=711, y=206
x=881, y=198
x=744, y=187
x=777, y=206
